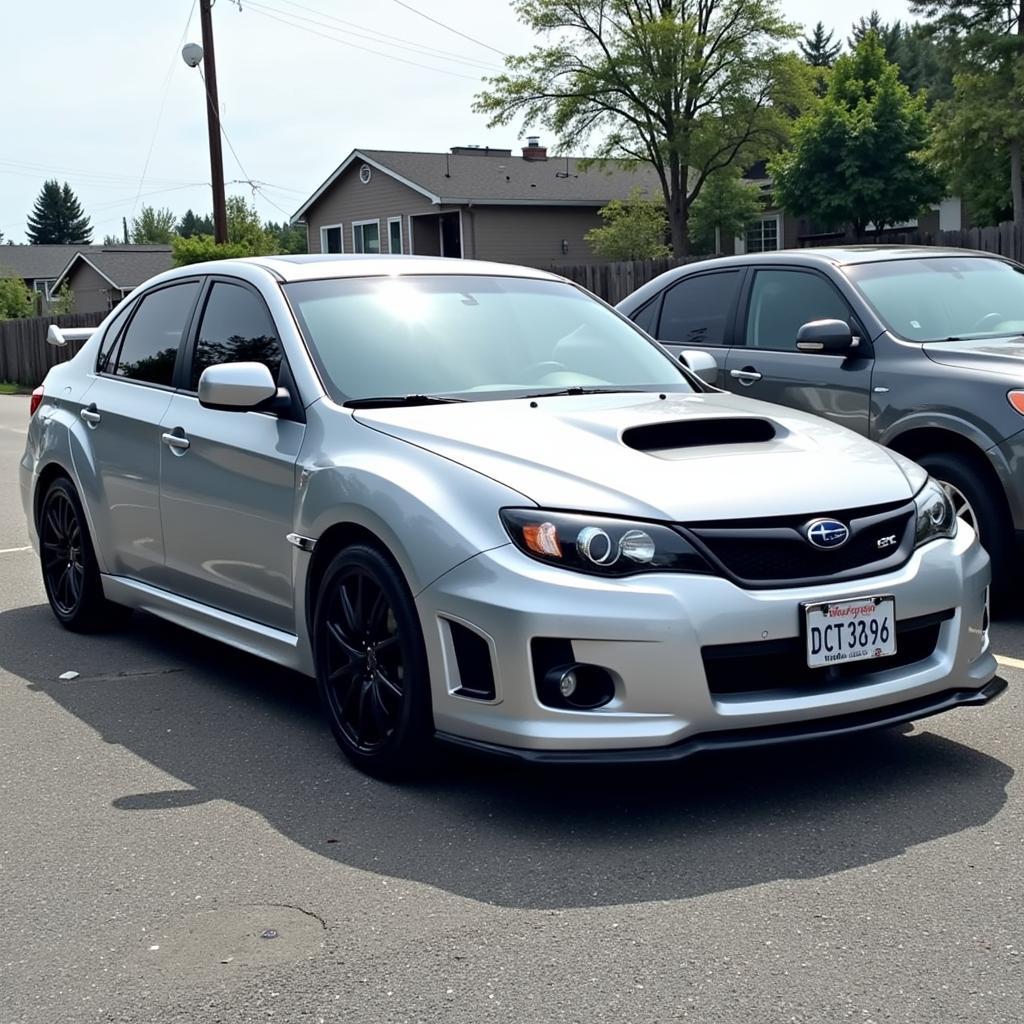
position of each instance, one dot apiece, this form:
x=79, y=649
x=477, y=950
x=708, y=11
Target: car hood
x=996, y=355
x=622, y=454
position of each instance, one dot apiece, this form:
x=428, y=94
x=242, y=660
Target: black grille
x=775, y=665
x=776, y=552
x=473, y=656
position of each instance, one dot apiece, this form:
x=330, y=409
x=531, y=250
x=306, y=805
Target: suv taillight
x=35, y=400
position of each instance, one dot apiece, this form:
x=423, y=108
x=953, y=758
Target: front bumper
x=648, y=632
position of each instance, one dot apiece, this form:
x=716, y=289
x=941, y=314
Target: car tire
x=964, y=481
x=71, y=574
x=371, y=664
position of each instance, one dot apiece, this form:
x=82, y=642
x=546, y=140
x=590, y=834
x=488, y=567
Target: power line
x=356, y=46
x=163, y=103
x=486, y=46
x=383, y=38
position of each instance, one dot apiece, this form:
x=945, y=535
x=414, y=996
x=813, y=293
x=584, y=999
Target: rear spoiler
x=61, y=336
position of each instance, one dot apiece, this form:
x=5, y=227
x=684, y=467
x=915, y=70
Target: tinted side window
x=646, y=317
x=103, y=360
x=697, y=311
x=236, y=328
x=782, y=301
x=150, y=344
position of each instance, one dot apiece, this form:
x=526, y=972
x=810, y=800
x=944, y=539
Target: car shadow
x=233, y=727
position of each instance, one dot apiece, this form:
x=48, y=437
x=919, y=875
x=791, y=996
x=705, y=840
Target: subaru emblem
x=826, y=533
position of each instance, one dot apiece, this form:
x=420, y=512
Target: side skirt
x=252, y=637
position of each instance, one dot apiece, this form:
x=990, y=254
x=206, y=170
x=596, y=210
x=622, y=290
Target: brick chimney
x=533, y=150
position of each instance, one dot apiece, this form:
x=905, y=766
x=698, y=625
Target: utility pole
x=220, y=216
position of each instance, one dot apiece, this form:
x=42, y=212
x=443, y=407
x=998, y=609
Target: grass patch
x=7, y=388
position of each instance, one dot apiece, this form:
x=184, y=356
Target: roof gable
x=125, y=267
x=457, y=178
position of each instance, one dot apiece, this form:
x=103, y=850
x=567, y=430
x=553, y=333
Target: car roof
x=311, y=267
x=833, y=255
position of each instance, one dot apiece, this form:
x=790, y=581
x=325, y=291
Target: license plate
x=842, y=631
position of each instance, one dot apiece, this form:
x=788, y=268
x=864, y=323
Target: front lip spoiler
x=760, y=736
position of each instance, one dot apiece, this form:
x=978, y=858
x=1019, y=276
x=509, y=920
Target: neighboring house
x=475, y=202
x=780, y=229
x=102, y=276
x=39, y=266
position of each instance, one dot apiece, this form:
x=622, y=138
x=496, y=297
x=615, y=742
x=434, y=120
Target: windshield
x=471, y=337
x=946, y=298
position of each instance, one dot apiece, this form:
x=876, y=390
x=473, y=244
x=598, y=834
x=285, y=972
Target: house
x=38, y=266
x=101, y=276
x=777, y=228
x=473, y=201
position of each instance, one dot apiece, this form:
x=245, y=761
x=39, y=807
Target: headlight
x=600, y=546
x=935, y=515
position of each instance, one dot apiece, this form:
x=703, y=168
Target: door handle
x=90, y=415
x=745, y=376
x=176, y=442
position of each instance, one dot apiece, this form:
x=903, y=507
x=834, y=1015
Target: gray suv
x=919, y=348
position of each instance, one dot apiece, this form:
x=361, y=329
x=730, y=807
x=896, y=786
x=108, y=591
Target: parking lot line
x=11, y=551
x=1009, y=662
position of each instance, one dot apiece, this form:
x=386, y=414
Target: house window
x=43, y=286
x=764, y=235
x=331, y=238
x=366, y=236
x=395, y=234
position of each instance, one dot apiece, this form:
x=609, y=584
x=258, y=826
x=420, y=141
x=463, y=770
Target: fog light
x=567, y=684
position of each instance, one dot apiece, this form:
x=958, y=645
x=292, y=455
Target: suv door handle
x=90, y=415
x=178, y=443
x=747, y=376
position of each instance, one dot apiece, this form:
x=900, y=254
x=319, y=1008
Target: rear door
x=121, y=443
x=698, y=311
x=766, y=364
x=227, y=479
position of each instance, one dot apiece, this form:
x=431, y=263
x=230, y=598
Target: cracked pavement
x=177, y=801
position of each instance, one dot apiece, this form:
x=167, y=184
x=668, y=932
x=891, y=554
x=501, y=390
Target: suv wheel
x=980, y=504
x=371, y=665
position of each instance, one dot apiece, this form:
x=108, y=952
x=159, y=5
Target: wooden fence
x=614, y=281
x=25, y=356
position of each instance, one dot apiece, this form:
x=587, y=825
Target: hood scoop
x=698, y=433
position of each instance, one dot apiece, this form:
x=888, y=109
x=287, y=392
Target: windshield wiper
x=578, y=389
x=388, y=401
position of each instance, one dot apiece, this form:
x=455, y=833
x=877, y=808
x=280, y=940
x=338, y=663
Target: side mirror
x=832, y=336
x=236, y=387
x=701, y=364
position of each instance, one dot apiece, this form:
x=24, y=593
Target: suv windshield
x=474, y=337
x=945, y=298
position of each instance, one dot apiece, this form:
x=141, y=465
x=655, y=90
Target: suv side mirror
x=236, y=387
x=832, y=336
x=701, y=364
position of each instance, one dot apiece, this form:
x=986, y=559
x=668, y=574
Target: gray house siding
x=349, y=200
x=530, y=235
x=92, y=291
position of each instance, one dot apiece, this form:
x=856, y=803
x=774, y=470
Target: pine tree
x=889, y=34
x=57, y=217
x=818, y=49
x=191, y=224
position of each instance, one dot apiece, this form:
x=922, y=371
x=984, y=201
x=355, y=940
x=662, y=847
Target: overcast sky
x=98, y=94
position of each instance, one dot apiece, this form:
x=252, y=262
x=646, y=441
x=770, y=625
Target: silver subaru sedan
x=478, y=505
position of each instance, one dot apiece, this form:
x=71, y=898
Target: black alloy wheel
x=71, y=575
x=61, y=549
x=371, y=664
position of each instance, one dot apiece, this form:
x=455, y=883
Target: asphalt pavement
x=181, y=841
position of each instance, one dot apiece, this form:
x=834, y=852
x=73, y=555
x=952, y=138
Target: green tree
x=192, y=224
x=246, y=237
x=16, y=299
x=889, y=34
x=634, y=229
x=817, y=48
x=64, y=301
x=986, y=41
x=112, y=240
x=153, y=226
x=287, y=237
x=689, y=87
x=725, y=207
x=57, y=217
x=858, y=158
